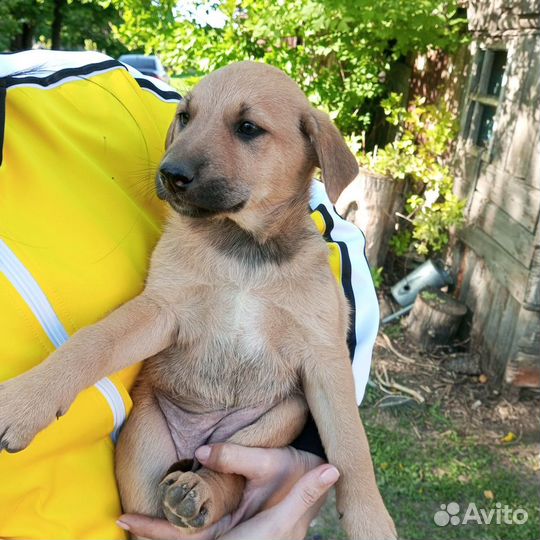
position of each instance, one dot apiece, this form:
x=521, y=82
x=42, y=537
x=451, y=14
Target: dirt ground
x=438, y=436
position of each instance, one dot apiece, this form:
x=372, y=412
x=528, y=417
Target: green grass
x=417, y=475
x=393, y=330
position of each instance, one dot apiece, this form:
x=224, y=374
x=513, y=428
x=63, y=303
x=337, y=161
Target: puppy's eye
x=249, y=130
x=183, y=118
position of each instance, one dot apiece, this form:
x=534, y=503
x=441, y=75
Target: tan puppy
x=229, y=323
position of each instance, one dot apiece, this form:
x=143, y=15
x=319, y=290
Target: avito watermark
x=501, y=514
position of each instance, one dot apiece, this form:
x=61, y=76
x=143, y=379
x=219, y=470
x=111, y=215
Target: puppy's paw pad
x=201, y=520
x=185, y=499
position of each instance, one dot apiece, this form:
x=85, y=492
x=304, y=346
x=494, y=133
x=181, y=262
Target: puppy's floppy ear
x=337, y=163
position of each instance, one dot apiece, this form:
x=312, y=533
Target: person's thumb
x=233, y=458
x=306, y=492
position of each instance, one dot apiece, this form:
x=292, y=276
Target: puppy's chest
x=228, y=355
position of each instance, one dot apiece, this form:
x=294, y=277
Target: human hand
x=288, y=483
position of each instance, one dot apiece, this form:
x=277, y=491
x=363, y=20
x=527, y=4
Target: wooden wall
x=498, y=256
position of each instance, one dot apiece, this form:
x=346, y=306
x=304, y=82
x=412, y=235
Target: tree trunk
x=56, y=27
x=370, y=202
x=25, y=39
x=434, y=319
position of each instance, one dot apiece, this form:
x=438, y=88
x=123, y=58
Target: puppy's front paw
x=371, y=524
x=24, y=411
x=187, y=500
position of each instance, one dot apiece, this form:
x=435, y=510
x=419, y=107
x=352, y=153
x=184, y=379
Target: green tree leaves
x=84, y=24
x=419, y=155
x=339, y=51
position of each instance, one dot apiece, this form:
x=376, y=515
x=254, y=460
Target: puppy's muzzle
x=176, y=177
x=194, y=194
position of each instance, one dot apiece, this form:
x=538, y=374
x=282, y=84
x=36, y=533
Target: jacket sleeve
x=355, y=277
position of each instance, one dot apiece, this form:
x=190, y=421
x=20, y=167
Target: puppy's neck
x=267, y=221
x=269, y=235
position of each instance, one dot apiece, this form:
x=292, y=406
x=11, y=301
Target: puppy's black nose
x=176, y=176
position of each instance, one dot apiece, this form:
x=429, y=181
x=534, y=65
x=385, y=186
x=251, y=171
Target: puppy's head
x=244, y=143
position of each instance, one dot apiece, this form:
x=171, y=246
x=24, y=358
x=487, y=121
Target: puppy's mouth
x=194, y=211
x=204, y=198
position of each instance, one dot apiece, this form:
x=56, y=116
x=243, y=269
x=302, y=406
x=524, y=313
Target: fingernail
x=203, y=453
x=122, y=525
x=329, y=476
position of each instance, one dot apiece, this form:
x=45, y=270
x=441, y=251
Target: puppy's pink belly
x=189, y=430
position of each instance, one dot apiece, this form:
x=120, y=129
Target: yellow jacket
x=78, y=221
x=80, y=140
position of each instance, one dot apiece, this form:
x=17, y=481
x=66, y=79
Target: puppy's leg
x=204, y=497
x=144, y=454
x=328, y=384
x=135, y=331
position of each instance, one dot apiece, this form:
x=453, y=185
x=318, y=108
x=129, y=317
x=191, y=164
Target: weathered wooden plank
x=506, y=270
x=491, y=330
x=508, y=20
x=466, y=166
x=464, y=268
x=513, y=89
x=461, y=261
x=532, y=293
x=529, y=331
x=520, y=151
x=489, y=300
x=518, y=199
x=476, y=273
x=504, y=126
x=501, y=334
x=531, y=65
x=479, y=299
x=505, y=343
x=503, y=229
x=528, y=6
x=495, y=16
x=524, y=370
x=495, y=312
x=492, y=18
x=481, y=16
x=533, y=174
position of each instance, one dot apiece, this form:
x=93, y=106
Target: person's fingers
x=148, y=527
x=289, y=465
x=290, y=518
x=252, y=463
x=306, y=492
x=161, y=529
x=251, y=503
